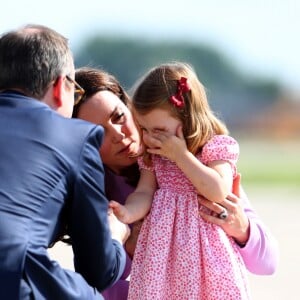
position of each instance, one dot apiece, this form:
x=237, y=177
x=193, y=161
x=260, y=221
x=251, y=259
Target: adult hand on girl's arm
x=119, y=230
x=258, y=247
x=237, y=223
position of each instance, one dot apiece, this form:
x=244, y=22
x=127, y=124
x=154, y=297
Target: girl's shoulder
x=221, y=139
x=220, y=147
x=148, y=165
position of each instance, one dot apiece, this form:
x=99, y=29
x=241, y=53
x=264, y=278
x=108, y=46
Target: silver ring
x=224, y=214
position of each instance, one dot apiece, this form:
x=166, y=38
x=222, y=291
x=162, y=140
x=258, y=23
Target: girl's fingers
x=159, y=137
x=151, y=141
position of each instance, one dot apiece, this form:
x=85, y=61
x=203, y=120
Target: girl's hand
x=120, y=211
x=167, y=145
x=236, y=224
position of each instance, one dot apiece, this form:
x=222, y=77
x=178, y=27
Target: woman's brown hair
x=96, y=80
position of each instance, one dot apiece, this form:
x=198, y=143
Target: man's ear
x=58, y=91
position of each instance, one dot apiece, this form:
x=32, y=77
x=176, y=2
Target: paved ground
x=281, y=213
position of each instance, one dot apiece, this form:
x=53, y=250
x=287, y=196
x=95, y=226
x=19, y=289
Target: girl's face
x=156, y=121
x=121, y=139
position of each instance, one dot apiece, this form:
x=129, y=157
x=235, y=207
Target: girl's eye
x=158, y=130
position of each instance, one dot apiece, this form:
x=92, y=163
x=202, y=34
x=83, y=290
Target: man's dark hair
x=31, y=58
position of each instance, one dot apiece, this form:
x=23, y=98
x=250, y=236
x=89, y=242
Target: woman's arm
x=261, y=252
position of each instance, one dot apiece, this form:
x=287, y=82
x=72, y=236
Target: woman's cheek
x=104, y=151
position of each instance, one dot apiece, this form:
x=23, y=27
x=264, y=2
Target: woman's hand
x=236, y=224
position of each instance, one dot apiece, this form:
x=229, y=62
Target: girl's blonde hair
x=155, y=91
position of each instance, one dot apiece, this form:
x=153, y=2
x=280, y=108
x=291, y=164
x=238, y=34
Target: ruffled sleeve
x=143, y=165
x=221, y=147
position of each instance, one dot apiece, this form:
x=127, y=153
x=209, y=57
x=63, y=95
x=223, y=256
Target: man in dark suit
x=51, y=176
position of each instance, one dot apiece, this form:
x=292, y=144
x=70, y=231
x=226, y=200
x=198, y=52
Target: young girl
x=188, y=154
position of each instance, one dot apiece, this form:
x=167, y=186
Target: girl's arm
x=214, y=181
x=138, y=203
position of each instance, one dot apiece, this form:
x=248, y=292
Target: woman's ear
x=57, y=91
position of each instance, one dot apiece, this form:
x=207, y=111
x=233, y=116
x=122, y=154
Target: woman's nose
x=117, y=135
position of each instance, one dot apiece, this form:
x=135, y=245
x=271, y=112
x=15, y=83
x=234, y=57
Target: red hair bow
x=182, y=87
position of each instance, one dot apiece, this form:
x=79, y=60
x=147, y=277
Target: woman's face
x=121, y=139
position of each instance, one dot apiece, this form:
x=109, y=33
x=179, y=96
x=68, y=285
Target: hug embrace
x=145, y=186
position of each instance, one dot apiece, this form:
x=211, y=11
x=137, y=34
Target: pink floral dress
x=178, y=254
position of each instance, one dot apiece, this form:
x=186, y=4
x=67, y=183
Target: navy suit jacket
x=51, y=177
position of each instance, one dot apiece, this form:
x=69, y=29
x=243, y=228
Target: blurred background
x=246, y=53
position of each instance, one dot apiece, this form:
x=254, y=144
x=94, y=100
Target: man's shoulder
x=79, y=132
x=81, y=127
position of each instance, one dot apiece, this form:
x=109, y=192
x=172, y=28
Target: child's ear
x=58, y=91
